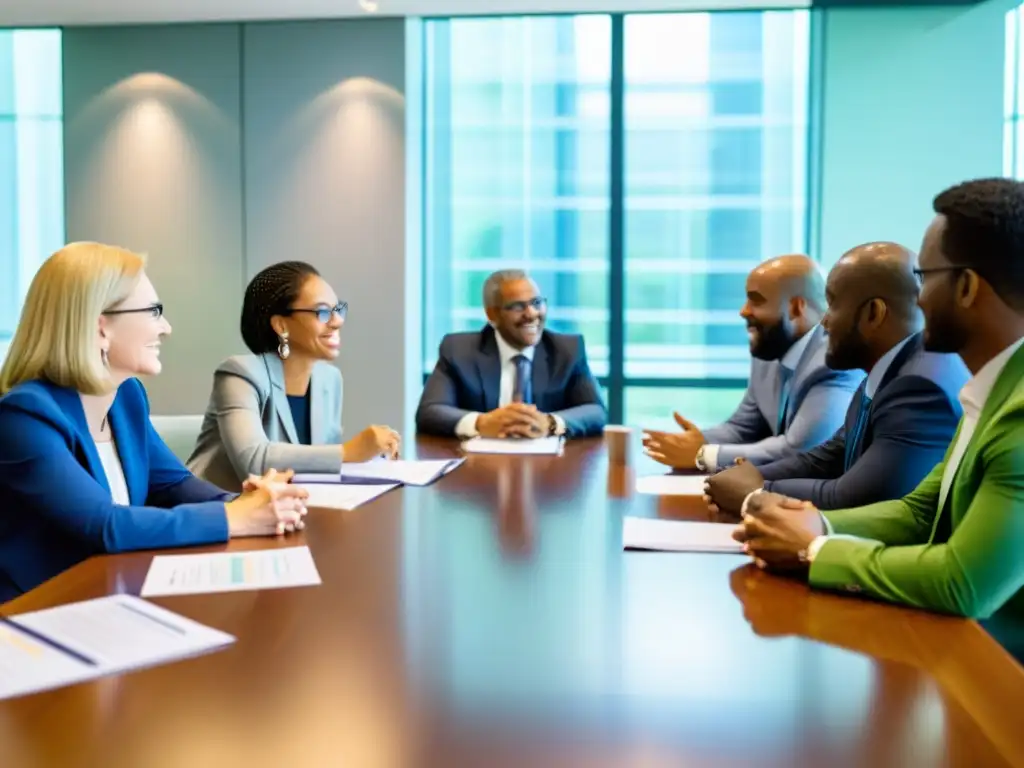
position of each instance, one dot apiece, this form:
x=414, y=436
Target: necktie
x=784, y=375
x=522, y=390
x=853, y=438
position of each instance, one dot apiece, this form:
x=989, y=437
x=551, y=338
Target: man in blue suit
x=903, y=417
x=513, y=378
x=793, y=401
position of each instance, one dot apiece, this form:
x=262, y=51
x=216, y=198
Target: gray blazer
x=815, y=409
x=248, y=427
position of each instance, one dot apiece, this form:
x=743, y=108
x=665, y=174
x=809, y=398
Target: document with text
x=672, y=485
x=82, y=641
x=383, y=471
x=678, y=535
x=230, y=572
x=541, y=446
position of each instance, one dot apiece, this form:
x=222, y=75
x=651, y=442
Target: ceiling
x=75, y=12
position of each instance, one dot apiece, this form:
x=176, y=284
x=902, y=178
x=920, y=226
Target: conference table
x=492, y=619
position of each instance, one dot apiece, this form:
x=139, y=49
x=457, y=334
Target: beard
x=773, y=341
x=943, y=332
x=847, y=353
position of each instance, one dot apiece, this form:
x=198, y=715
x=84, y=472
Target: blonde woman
x=82, y=471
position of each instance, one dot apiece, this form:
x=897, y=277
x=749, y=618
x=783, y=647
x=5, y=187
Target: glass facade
x=31, y=163
x=518, y=145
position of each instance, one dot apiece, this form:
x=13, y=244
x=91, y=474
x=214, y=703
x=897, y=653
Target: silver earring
x=105, y=358
x=283, y=350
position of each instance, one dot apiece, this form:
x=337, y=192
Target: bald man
x=903, y=417
x=793, y=401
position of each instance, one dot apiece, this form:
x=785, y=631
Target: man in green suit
x=956, y=543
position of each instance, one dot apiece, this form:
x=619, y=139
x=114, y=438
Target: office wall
x=913, y=102
x=325, y=182
x=220, y=149
x=152, y=157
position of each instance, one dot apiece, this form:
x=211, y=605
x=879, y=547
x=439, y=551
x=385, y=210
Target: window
x=516, y=162
x=713, y=177
x=1013, y=96
x=31, y=164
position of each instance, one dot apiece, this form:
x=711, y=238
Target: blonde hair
x=56, y=336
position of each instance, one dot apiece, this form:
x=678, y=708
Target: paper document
x=384, y=471
x=230, y=572
x=672, y=485
x=343, y=496
x=678, y=535
x=541, y=446
x=82, y=641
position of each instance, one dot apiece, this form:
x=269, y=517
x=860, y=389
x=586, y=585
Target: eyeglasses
x=154, y=310
x=538, y=302
x=323, y=314
x=920, y=273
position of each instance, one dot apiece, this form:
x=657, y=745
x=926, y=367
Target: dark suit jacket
x=911, y=420
x=57, y=506
x=467, y=378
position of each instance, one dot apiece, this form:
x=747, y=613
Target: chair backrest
x=179, y=432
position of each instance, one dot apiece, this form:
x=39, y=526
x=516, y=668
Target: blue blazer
x=467, y=378
x=811, y=413
x=904, y=433
x=56, y=504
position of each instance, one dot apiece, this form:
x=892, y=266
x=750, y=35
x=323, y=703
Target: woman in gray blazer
x=280, y=407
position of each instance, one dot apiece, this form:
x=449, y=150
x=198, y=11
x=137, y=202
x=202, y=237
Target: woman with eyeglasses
x=280, y=407
x=82, y=471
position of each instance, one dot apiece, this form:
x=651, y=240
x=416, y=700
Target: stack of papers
x=672, y=485
x=230, y=572
x=384, y=472
x=83, y=641
x=678, y=536
x=541, y=446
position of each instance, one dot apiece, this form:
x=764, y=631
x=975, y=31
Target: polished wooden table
x=493, y=620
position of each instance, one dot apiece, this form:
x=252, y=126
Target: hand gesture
x=678, y=451
x=268, y=506
x=513, y=420
x=372, y=442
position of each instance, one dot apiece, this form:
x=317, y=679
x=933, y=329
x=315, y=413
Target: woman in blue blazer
x=82, y=471
x=281, y=405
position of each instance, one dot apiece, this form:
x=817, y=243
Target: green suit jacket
x=903, y=556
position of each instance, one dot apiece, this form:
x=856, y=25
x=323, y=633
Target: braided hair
x=271, y=292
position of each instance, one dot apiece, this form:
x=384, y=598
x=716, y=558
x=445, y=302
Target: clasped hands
x=776, y=531
x=516, y=419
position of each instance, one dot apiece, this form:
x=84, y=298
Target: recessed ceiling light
x=370, y=6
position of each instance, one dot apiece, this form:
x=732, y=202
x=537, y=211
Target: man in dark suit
x=900, y=421
x=513, y=378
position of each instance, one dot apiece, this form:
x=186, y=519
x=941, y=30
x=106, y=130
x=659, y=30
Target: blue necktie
x=853, y=439
x=784, y=375
x=522, y=390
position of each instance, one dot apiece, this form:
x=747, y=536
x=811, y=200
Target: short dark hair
x=271, y=292
x=985, y=232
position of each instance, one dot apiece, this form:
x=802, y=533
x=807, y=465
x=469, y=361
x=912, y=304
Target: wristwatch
x=698, y=460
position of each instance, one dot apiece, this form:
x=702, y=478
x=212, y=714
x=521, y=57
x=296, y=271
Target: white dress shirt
x=115, y=474
x=789, y=361
x=973, y=397
x=506, y=386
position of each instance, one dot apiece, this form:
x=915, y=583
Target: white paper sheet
x=678, y=535
x=82, y=641
x=672, y=485
x=541, y=446
x=421, y=472
x=344, y=495
x=230, y=572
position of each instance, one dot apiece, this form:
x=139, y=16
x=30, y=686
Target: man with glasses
x=904, y=414
x=513, y=378
x=955, y=543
